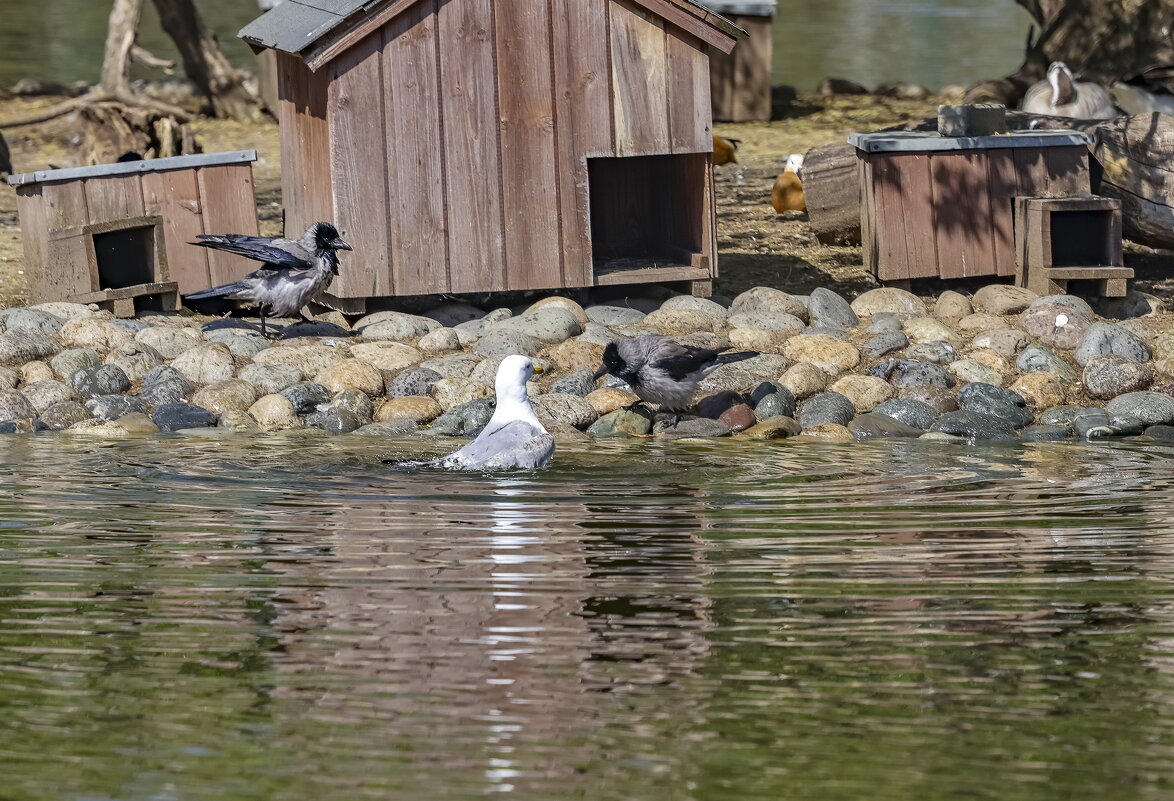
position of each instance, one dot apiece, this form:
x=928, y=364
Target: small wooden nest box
x=490, y=145
x=739, y=82
x=943, y=206
x=117, y=234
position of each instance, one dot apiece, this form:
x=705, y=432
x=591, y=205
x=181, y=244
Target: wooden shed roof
x=319, y=30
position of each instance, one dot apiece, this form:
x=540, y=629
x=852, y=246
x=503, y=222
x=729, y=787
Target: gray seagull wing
x=518, y=444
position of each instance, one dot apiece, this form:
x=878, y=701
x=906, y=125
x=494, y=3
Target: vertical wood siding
x=418, y=225
x=305, y=145
x=473, y=194
x=639, y=72
x=528, y=158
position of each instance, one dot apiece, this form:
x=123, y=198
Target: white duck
x=1062, y=96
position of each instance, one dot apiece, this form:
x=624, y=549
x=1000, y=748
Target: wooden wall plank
x=530, y=178
x=415, y=170
x=916, y=211
x=1004, y=183
x=358, y=168
x=892, y=254
x=67, y=271
x=226, y=198
x=114, y=197
x=639, y=81
x=1068, y=171
x=690, y=130
x=34, y=236
x=175, y=196
x=583, y=120
x=473, y=187
x=870, y=253
x=305, y=191
x=963, y=227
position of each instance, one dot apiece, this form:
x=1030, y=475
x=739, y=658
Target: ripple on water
x=291, y=618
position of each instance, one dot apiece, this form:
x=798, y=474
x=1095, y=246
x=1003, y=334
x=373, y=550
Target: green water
x=931, y=42
x=293, y=619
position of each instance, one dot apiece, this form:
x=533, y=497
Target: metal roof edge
x=132, y=167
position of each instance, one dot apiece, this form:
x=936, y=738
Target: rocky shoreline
x=1003, y=364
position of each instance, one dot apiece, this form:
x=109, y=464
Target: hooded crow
x=662, y=371
x=293, y=271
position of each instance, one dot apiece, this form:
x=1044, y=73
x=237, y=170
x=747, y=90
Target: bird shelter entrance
x=650, y=219
x=123, y=253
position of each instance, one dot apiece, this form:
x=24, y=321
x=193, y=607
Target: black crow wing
x=279, y=254
x=680, y=360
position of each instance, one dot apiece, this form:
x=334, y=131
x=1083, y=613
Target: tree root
x=94, y=97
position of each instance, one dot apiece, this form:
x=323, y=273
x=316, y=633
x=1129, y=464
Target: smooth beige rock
x=560, y=408
x=804, y=380
x=926, y=329
x=573, y=355
x=230, y=395
x=1040, y=390
x=128, y=425
x=93, y=333
x=778, y=427
x=440, y=340
x=411, y=407
x=169, y=341
x=387, y=355
x=679, y=321
x=450, y=392
x=206, y=363
x=310, y=359
x=865, y=391
x=768, y=299
x=135, y=359
x=1007, y=341
x=32, y=372
x=991, y=358
x=760, y=339
x=952, y=305
x=274, y=413
x=43, y=394
x=606, y=400
x=564, y=303
x=1003, y=299
x=970, y=371
x=352, y=374
x=832, y=355
x=981, y=321
x=238, y=422
x=888, y=299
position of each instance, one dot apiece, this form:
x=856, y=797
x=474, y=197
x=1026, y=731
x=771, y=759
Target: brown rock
x=832, y=355
x=352, y=374
x=952, y=306
x=386, y=355
x=865, y=391
x=1040, y=390
x=888, y=299
x=32, y=372
x=981, y=321
x=1003, y=299
x=565, y=303
x=939, y=398
x=804, y=380
x=778, y=427
x=412, y=407
x=274, y=413
x=231, y=395
x=571, y=355
x=607, y=399
x=738, y=418
x=826, y=432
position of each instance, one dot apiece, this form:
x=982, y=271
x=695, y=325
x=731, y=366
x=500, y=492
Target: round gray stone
x=335, y=420
x=826, y=407
x=884, y=343
x=1001, y=403
x=164, y=384
x=909, y=411
x=36, y=319
x=580, y=382
x=826, y=308
x=1107, y=338
x=270, y=379
x=465, y=418
x=26, y=345
x=932, y=352
x=63, y=414
x=68, y=362
x=507, y=342
x=412, y=382
x=112, y=407
x=1110, y=375
x=908, y=372
x=15, y=406
x=109, y=379
x=177, y=416
x=1150, y=408
x=974, y=425
x=1038, y=359
x=306, y=397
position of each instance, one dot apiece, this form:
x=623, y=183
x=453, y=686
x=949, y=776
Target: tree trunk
x=1134, y=161
x=1099, y=40
x=204, y=63
x=121, y=31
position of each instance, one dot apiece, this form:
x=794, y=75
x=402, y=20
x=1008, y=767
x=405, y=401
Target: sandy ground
x=756, y=246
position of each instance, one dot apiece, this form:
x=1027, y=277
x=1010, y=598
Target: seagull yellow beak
x=537, y=368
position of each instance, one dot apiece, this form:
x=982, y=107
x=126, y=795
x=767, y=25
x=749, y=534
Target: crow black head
x=326, y=237
x=614, y=364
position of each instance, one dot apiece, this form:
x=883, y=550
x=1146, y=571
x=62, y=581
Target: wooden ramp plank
x=359, y=168
x=418, y=225
x=473, y=190
x=174, y=195
x=529, y=175
x=639, y=81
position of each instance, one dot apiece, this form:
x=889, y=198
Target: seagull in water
x=513, y=437
x=662, y=371
x=293, y=271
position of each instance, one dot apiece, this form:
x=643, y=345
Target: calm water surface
x=931, y=42
x=293, y=619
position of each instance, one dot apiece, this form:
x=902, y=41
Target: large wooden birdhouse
x=489, y=145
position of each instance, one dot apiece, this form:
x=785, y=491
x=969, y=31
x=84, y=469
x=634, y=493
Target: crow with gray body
x=662, y=371
x=293, y=271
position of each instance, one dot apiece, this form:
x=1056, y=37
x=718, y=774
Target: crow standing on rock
x=662, y=371
x=293, y=271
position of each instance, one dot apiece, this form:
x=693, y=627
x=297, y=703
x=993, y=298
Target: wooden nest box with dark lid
x=490, y=145
x=117, y=234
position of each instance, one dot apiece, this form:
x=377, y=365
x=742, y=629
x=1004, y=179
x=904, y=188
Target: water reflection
x=291, y=618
